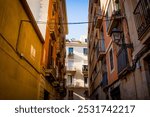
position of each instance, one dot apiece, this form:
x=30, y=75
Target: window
x=54, y=7
x=70, y=51
x=50, y=56
x=111, y=59
x=102, y=41
x=70, y=64
x=33, y=52
x=70, y=79
x=85, y=40
x=85, y=80
x=85, y=51
x=107, y=20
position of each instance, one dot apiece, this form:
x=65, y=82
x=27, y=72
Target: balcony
x=56, y=84
x=85, y=69
x=115, y=19
x=53, y=36
x=53, y=29
x=70, y=85
x=50, y=71
x=98, y=17
x=71, y=70
x=71, y=55
x=122, y=61
x=142, y=17
x=93, y=11
x=101, y=49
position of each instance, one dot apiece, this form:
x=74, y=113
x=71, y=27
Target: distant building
x=76, y=70
x=119, y=49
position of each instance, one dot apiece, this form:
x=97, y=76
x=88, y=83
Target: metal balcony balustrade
x=84, y=68
x=71, y=70
x=98, y=17
x=122, y=60
x=142, y=16
x=101, y=49
x=50, y=69
x=116, y=18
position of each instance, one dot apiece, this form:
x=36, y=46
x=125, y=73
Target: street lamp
x=117, y=36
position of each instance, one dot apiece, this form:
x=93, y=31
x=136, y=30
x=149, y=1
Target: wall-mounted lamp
x=117, y=36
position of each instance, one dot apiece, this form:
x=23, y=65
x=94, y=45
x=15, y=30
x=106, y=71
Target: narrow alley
x=74, y=49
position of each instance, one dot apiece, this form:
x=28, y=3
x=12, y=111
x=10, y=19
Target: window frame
x=85, y=51
x=70, y=52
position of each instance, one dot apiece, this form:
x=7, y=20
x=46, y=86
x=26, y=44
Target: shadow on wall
x=78, y=58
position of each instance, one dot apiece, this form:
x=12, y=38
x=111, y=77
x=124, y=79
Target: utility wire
x=71, y=23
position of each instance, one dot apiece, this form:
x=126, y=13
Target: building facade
x=21, y=51
x=39, y=10
x=77, y=70
x=119, y=48
x=53, y=62
x=32, y=56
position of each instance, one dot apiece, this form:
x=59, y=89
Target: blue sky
x=77, y=11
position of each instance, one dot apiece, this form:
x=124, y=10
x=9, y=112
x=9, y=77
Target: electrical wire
x=71, y=23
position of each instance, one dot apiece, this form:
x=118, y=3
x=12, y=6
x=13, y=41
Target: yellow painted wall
x=18, y=78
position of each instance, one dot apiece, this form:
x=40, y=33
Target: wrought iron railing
x=122, y=60
x=84, y=68
x=142, y=16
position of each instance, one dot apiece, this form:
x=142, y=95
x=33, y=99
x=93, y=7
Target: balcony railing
x=122, y=60
x=115, y=19
x=101, y=48
x=71, y=55
x=71, y=70
x=84, y=68
x=50, y=71
x=142, y=16
x=98, y=17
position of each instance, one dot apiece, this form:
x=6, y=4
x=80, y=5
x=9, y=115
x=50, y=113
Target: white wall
x=39, y=9
x=79, y=59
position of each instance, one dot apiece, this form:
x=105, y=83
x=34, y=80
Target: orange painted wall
x=112, y=75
